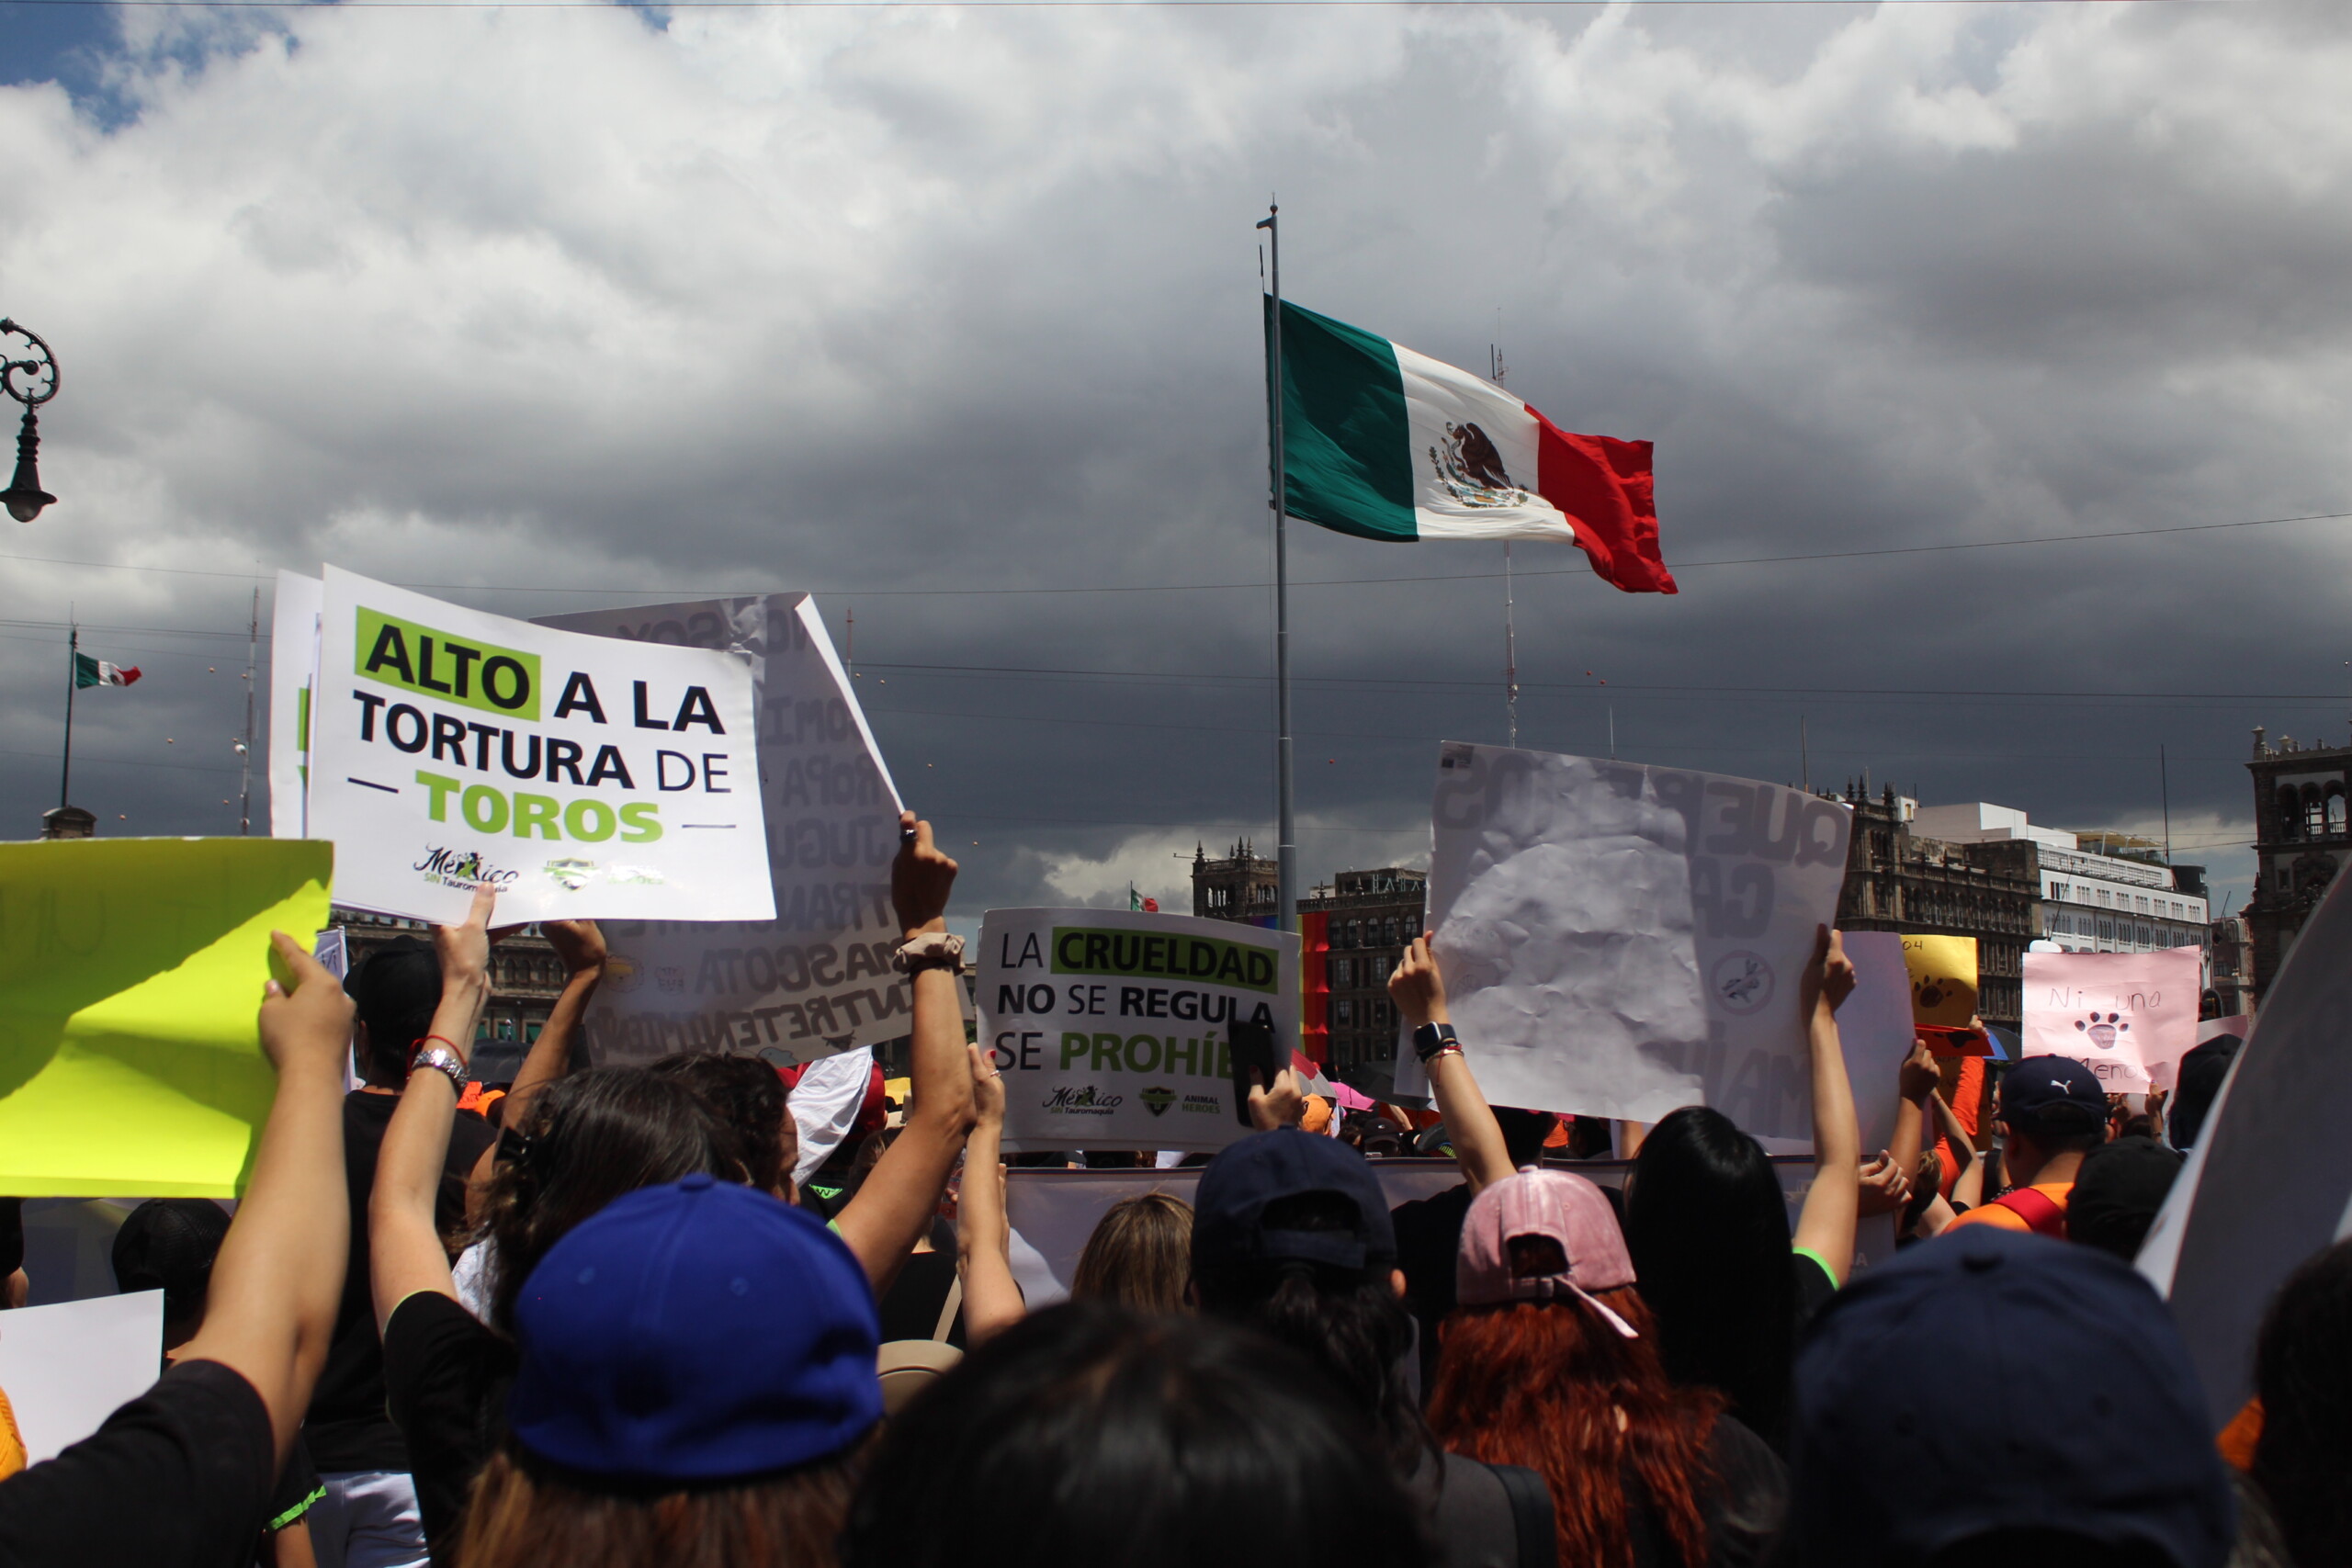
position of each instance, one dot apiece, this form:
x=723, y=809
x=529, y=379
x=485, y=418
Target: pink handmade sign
x=2129, y=1017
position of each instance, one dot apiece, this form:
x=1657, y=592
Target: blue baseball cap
x=1229, y=1205
x=2052, y=1094
x=1991, y=1380
x=696, y=1331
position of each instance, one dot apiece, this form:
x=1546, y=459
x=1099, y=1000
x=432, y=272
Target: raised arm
x=581, y=946
x=992, y=1301
x=898, y=1199
x=405, y=1252
x=1418, y=991
x=1969, y=1186
x=278, y=1277
x=1833, y=1203
x=1915, y=1081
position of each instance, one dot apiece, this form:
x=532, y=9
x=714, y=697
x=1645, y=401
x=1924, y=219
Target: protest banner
x=2266, y=1184
x=1620, y=940
x=293, y=670
x=2128, y=1017
x=1113, y=1028
x=815, y=977
x=130, y=973
x=66, y=1368
x=583, y=777
x=1943, y=980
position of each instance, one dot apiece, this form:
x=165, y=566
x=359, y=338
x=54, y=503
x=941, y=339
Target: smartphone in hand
x=1253, y=1052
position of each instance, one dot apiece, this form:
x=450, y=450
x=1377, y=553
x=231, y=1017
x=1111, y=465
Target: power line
x=640, y=590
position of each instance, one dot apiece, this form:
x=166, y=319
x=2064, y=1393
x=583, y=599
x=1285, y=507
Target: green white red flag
x=89, y=671
x=1386, y=444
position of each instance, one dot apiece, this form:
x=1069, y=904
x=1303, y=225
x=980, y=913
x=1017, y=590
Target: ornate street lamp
x=32, y=381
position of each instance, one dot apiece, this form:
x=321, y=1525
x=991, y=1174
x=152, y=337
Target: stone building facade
x=525, y=978
x=2300, y=840
x=1243, y=886
x=1367, y=918
x=1898, y=881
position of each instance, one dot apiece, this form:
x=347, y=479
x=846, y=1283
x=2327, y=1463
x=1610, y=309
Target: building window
x=2102, y=896
x=1379, y=970
x=2058, y=891
x=1343, y=1011
x=2106, y=932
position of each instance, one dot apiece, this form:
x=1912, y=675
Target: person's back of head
x=1550, y=1363
x=168, y=1245
x=694, y=1371
x=1708, y=1230
x=2303, y=1373
x=2050, y=1105
x=584, y=1141
x=394, y=992
x=1291, y=1234
x=749, y=1106
x=2060, y=1418
x=2197, y=1082
x=1140, y=1255
x=1090, y=1434
x=2116, y=1193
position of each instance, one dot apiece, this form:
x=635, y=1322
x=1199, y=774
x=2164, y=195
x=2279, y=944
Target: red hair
x=1542, y=1385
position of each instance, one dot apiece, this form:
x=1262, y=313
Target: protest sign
x=815, y=977
x=1620, y=940
x=2266, y=1184
x=1875, y=1030
x=293, y=670
x=1113, y=1028
x=2127, y=1016
x=66, y=1368
x=583, y=777
x=130, y=973
x=1943, y=980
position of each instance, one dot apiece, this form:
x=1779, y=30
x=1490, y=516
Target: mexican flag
x=1386, y=444
x=89, y=671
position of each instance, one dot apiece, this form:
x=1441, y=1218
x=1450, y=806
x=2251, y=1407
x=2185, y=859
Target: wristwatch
x=1431, y=1038
x=931, y=950
x=441, y=1058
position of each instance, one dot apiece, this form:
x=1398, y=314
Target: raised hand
x=312, y=1020
x=920, y=878
x=1417, y=988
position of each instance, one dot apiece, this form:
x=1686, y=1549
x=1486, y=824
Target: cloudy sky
x=949, y=314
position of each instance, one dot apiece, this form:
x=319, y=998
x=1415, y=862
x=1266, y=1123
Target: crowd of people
x=612, y=1328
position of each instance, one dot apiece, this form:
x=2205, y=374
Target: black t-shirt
x=347, y=1427
x=1429, y=1236
x=446, y=1376
x=910, y=1309
x=298, y=1487
x=1742, y=1511
x=178, y=1478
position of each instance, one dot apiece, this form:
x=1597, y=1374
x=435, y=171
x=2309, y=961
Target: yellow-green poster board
x=130, y=975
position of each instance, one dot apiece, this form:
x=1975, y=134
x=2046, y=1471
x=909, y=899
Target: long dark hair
x=584, y=1141
x=1349, y=1323
x=2302, y=1369
x=1709, y=1235
x=521, y=1517
x=1090, y=1434
x=1553, y=1386
x=747, y=1103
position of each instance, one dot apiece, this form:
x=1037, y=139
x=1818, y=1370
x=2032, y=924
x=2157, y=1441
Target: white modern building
x=2090, y=902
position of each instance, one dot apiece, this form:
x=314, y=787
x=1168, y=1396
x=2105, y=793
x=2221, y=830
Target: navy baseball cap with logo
x=2055, y=1094
x=1229, y=1206
x=694, y=1332
x=2054, y=1395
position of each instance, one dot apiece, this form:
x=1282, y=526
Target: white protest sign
x=2267, y=1185
x=67, y=1368
x=583, y=777
x=2128, y=1017
x=1114, y=1030
x=815, y=978
x=1620, y=940
x=293, y=664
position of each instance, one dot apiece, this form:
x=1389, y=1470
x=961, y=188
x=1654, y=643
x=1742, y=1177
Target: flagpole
x=73, y=679
x=1496, y=372
x=1287, y=838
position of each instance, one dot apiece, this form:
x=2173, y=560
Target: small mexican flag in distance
x=89, y=671
x=1386, y=444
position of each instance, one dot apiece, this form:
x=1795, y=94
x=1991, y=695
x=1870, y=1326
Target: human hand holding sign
x=1417, y=988
x=1282, y=1105
x=920, y=878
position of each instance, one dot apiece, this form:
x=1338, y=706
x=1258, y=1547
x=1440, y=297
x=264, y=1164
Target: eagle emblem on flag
x=1471, y=471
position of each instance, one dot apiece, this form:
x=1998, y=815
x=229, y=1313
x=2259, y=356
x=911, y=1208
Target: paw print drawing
x=2103, y=1032
x=1931, y=994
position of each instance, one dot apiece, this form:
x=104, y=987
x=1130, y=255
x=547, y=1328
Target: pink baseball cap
x=1567, y=1209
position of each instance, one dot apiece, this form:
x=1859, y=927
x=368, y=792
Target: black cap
x=2052, y=1094
x=1229, y=1205
x=2116, y=1193
x=168, y=1245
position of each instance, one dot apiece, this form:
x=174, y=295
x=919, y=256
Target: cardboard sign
x=1620, y=940
x=583, y=777
x=130, y=973
x=2128, y=1017
x=67, y=1368
x=1943, y=980
x=2266, y=1184
x=293, y=668
x=816, y=979
x=1113, y=1028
